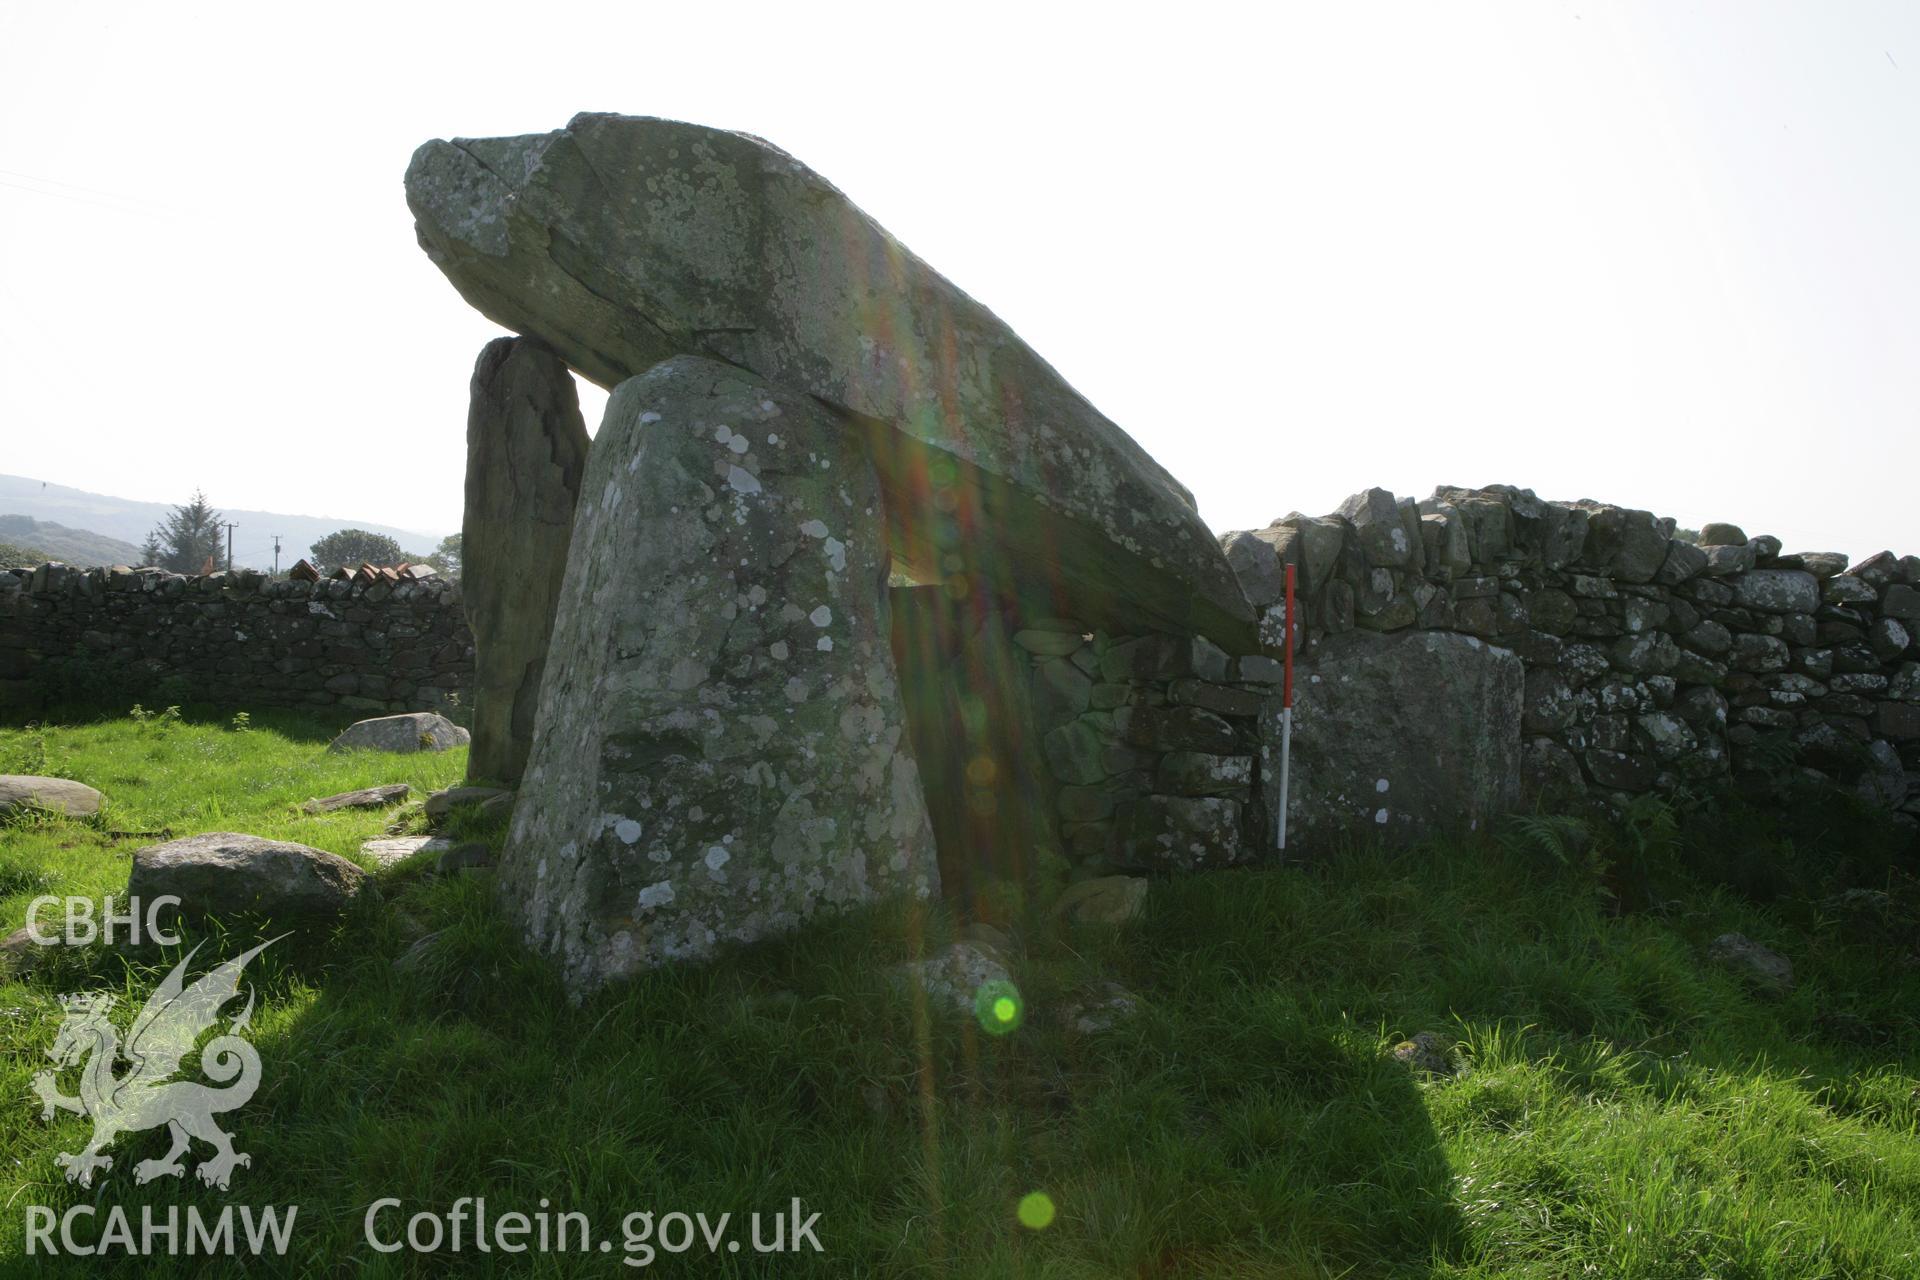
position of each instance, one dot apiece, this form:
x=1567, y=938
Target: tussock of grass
x=1627, y=1110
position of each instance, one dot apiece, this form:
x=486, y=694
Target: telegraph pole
x=231, y=526
x=276, y=555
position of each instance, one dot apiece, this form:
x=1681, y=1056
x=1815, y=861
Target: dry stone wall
x=241, y=639
x=1651, y=662
x=1152, y=742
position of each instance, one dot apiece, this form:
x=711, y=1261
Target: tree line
x=190, y=540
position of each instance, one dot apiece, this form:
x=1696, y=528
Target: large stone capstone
x=722, y=749
x=1399, y=736
x=526, y=451
x=620, y=241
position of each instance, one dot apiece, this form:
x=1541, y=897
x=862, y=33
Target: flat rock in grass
x=622, y=241
x=224, y=873
x=952, y=978
x=412, y=731
x=1765, y=968
x=1101, y=1009
x=56, y=795
x=364, y=798
x=399, y=848
x=1104, y=900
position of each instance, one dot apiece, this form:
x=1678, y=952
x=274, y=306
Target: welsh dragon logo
x=143, y=1096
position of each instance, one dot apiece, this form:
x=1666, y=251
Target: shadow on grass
x=1227, y=1129
x=319, y=725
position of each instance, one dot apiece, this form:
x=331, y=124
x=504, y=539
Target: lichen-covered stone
x=722, y=749
x=1194, y=773
x=1901, y=601
x=1257, y=563
x=1777, y=591
x=391, y=849
x=1179, y=833
x=621, y=240
x=1377, y=526
x=952, y=978
x=526, y=451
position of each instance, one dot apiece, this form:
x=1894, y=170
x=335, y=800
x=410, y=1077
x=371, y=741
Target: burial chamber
x=832, y=504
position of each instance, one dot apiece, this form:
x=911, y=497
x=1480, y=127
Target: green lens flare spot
x=998, y=1007
x=1036, y=1211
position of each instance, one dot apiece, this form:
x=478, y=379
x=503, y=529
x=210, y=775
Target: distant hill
x=125, y=523
x=58, y=542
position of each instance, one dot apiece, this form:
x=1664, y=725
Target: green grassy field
x=1625, y=1108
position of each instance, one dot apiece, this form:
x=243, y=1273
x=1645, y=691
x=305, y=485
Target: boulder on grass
x=413, y=731
x=19, y=791
x=225, y=873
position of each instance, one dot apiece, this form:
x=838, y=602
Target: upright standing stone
x=1398, y=736
x=526, y=452
x=622, y=240
x=721, y=749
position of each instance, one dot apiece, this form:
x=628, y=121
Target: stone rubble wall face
x=241, y=638
x=1652, y=663
x=1152, y=743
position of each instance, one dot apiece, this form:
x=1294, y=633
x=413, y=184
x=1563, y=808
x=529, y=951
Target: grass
x=1626, y=1108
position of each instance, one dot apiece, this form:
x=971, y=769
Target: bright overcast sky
x=1658, y=255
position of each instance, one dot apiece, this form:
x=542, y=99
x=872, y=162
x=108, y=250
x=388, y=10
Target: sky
x=1659, y=255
